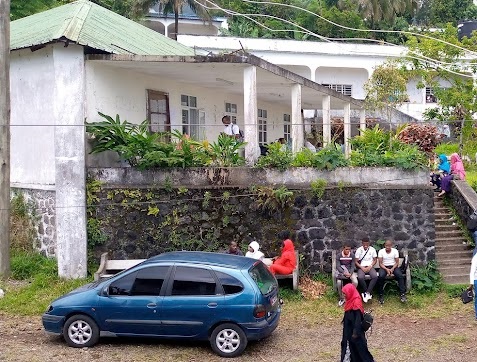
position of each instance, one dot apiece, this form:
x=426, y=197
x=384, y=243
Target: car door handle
x=152, y=305
x=212, y=305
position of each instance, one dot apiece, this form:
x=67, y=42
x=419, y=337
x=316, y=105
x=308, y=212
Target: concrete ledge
x=299, y=177
x=467, y=193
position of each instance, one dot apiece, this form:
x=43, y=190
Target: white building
x=343, y=67
x=73, y=61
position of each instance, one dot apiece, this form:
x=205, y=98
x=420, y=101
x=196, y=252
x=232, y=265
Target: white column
x=70, y=178
x=362, y=119
x=252, y=151
x=347, y=128
x=297, y=133
x=326, y=120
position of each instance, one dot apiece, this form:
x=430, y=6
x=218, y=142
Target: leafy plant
x=223, y=153
x=23, y=221
x=426, y=278
x=206, y=200
x=424, y=136
x=271, y=199
x=276, y=157
x=318, y=187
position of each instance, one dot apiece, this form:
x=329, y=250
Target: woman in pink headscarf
x=457, y=173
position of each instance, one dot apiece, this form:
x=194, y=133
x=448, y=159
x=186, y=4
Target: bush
x=327, y=158
x=425, y=136
x=426, y=278
x=277, y=157
x=26, y=265
x=23, y=221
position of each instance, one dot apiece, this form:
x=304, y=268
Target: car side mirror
x=105, y=291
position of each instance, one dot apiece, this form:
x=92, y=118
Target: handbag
x=467, y=296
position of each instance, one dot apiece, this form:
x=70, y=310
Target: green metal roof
x=88, y=24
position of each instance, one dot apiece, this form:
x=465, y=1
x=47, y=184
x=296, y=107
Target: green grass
x=447, y=148
x=34, y=284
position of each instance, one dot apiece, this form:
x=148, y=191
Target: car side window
x=193, y=281
x=123, y=285
x=149, y=281
x=230, y=284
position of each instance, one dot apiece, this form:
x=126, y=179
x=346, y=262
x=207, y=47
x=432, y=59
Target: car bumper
x=52, y=323
x=262, y=329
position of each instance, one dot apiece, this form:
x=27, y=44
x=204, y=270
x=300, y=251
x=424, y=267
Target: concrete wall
x=244, y=177
x=464, y=199
x=32, y=88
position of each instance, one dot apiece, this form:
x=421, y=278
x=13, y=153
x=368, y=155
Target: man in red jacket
x=287, y=260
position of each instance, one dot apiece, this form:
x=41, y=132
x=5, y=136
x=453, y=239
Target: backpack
x=367, y=321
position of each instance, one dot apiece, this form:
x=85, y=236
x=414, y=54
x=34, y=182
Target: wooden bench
x=294, y=276
x=338, y=281
x=109, y=267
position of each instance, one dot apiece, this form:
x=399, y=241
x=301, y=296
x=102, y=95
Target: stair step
x=443, y=214
x=444, y=221
x=446, y=227
x=449, y=233
x=456, y=279
x=451, y=247
x=454, y=269
x=457, y=242
x=454, y=255
x=451, y=263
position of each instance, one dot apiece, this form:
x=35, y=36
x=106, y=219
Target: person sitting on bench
x=365, y=258
x=286, y=263
x=345, y=266
x=388, y=258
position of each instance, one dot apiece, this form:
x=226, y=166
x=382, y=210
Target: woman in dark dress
x=353, y=333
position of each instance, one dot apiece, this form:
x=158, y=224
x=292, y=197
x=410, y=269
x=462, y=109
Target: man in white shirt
x=388, y=259
x=230, y=129
x=365, y=258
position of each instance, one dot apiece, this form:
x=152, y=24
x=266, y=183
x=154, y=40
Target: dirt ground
x=402, y=338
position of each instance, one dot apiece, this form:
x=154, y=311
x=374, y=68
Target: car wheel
x=81, y=331
x=228, y=340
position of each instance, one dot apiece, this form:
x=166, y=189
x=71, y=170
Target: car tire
x=80, y=331
x=228, y=340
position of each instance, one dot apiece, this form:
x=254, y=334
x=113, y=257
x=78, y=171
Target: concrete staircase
x=453, y=254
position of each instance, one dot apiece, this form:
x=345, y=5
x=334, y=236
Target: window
x=345, y=89
x=262, y=127
x=193, y=120
x=430, y=97
x=122, y=286
x=158, y=111
x=230, y=284
x=231, y=111
x=193, y=281
x=149, y=281
x=286, y=127
x=263, y=278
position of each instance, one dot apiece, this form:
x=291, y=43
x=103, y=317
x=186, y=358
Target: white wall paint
x=335, y=75
x=32, y=100
x=114, y=91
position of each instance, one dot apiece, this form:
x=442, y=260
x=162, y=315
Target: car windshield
x=263, y=278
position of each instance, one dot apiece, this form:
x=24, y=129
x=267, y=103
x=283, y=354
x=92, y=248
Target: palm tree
x=375, y=11
x=175, y=6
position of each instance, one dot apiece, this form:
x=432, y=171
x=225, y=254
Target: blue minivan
x=225, y=299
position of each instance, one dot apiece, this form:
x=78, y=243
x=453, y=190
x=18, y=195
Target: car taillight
x=259, y=311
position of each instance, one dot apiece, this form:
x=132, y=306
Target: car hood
x=84, y=288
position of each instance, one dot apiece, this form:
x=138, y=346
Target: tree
x=443, y=11
x=374, y=11
x=450, y=76
x=175, y=6
x=386, y=89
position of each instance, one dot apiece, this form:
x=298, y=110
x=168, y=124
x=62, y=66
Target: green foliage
x=328, y=158
x=386, y=89
x=25, y=265
x=446, y=148
x=23, y=222
x=270, y=199
x=223, y=153
x=277, y=157
x=318, y=187
x=376, y=147
x=206, y=200
x=379, y=244
x=426, y=278
x=455, y=290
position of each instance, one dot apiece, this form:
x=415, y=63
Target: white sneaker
x=370, y=296
x=341, y=302
x=365, y=297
